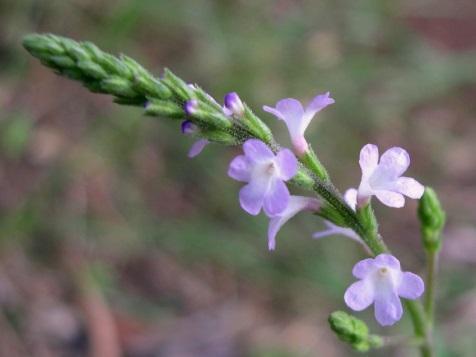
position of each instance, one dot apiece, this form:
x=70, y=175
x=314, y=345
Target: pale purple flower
x=297, y=118
x=295, y=205
x=384, y=178
x=265, y=174
x=382, y=283
x=188, y=128
x=233, y=105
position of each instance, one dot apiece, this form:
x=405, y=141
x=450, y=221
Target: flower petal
x=276, y=198
x=387, y=260
x=240, y=169
x=291, y=111
x=393, y=163
x=388, y=309
x=411, y=286
x=368, y=160
x=363, y=268
x=359, y=295
x=391, y=199
x=350, y=197
x=197, y=147
x=318, y=103
x=257, y=151
x=287, y=164
x=295, y=205
x=410, y=187
x=252, y=196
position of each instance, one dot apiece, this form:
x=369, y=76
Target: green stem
x=420, y=326
x=432, y=266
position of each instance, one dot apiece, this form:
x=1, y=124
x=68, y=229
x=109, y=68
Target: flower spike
x=265, y=174
x=297, y=118
x=384, y=178
x=382, y=283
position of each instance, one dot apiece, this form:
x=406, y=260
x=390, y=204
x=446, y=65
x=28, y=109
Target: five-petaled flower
x=188, y=128
x=265, y=174
x=383, y=283
x=297, y=118
x=384, y=178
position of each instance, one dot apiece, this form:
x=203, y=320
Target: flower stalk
x=234, y=124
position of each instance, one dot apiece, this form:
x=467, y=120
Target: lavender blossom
x=383, y=179
x=297, y=118
x=383, y=283
x=265, y=174
x=188, y=128
x=296, y=204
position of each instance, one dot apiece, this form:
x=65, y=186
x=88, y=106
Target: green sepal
x=164, y=108
x=256, y=126
x=353, y=331
x=177, y=85
x=118, y=86
x=310, y=159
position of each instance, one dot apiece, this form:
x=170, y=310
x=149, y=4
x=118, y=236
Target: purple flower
x=233, y=105
x=383, y=178
x=188, y=128
x=265, y=174
x=295, y=205
x=297, y=118
x=383, y=283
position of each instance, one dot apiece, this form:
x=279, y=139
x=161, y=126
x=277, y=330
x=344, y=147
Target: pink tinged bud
x=382, y=283
x=191, y=106
x=265, y=174
x=384, y=178
x=297, y=118
x=234, y=105
x=295, y=205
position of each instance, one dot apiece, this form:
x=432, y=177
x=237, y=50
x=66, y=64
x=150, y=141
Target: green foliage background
x=97, y=189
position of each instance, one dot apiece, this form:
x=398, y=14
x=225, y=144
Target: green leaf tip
x=353, y=331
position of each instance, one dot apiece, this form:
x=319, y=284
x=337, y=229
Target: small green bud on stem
x=353, y=331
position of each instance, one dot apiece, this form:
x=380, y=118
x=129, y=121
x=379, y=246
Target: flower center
x=383, y=271
x=271, y=169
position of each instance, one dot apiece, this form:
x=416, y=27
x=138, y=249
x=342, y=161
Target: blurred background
x=113, y=242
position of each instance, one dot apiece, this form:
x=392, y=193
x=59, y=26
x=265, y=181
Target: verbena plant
x=269, y=171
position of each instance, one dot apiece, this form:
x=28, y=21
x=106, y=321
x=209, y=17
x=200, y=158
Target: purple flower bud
x=265, y=174
x=188, y=127
x=384, y=178
x=191, y=106
x=234, y=104
x=382, y=283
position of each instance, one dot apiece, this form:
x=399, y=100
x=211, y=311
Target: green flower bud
x=164, y=108
x=177, y=85
x=432, y=219
x=353, y=331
